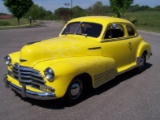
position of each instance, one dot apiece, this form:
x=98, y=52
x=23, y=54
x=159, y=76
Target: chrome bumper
x=30, y=94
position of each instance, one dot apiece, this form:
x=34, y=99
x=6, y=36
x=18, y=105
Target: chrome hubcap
x=142, y=61
x=76, y=89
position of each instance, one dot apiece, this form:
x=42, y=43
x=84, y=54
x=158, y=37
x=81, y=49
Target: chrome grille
x=27, y=75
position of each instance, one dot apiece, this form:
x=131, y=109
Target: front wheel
x=142, y=66
x=75, y=91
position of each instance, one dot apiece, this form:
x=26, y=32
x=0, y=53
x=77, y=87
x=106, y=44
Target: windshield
x=85, y=28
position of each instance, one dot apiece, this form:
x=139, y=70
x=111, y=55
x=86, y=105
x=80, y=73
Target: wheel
x=142, y=63
x=75, y=91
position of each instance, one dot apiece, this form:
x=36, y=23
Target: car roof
x=99, y=19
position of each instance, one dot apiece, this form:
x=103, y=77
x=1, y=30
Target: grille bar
x=27, y=75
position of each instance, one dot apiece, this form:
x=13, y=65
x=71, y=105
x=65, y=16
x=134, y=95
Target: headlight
x=49, y=74
x=7, y=60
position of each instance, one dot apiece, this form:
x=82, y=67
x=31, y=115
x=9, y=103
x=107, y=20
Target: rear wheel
x=75, y=91
x=142, y=66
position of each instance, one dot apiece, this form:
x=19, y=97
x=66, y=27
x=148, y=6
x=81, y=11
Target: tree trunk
x=18, y=22
x=119, y=14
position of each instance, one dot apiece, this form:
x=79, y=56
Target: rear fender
x=144, y=47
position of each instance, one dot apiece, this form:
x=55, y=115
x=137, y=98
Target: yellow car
x=89, y=52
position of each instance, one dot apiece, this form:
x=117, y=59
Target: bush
x=4, y=23
x=134, y=20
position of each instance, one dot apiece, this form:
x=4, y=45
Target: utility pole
x=66, y=4
x=71, y=8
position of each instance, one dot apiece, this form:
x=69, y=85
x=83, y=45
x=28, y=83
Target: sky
x=54, y=4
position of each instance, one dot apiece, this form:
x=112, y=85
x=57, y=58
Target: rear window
x=131, y=31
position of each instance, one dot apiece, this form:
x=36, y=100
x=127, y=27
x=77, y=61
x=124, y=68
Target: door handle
x=129, y=43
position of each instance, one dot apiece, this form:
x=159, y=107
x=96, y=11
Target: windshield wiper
x=83, y=34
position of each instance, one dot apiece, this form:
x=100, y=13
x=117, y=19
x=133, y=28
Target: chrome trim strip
x=30, y=94
x=104, y=77
x=26, y=74
x=94, y=48
x=6, y=82
x=22, y=60
x=23, y=80
x=23, y=91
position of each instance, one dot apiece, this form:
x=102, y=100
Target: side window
x=114, y=31
x=131, y=31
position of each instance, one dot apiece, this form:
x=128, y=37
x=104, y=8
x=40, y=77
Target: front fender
x=68, y=68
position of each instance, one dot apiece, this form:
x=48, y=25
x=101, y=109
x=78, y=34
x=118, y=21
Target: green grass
x=13, y=23
x=145, y=20
x=4, y=23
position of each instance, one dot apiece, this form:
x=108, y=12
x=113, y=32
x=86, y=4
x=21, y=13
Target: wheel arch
x=69, y=96
x=86, y=78
x=144, y=48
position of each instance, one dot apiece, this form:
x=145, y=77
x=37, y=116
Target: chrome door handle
x=129, y=43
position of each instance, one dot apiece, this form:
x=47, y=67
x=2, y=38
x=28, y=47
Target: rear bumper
x=27, y=93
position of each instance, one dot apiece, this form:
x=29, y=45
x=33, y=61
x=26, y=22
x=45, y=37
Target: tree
x=120, y=6
x=107, y=9
x=3, y=14
x=38, y=12
x=157, y=8
x=49, y=15
x=18, y=7
x=134, y=8
x=63, y=13
x=33, y=12
x=144, y=8
x=78, y=12
x=97, y=8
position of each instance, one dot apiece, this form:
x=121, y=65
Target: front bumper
x=27, y=93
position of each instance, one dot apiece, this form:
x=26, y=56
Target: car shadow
x=59, y=103
x=49, y=104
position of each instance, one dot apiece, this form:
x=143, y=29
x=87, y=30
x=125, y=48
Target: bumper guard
x=27, y=93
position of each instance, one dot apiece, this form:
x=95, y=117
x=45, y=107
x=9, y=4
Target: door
x=135, y=40
x=116, y=46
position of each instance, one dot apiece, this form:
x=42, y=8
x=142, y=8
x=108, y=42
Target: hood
x=57, y=48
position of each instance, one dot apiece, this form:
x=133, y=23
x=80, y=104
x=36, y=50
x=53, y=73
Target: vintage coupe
x=89, y=52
